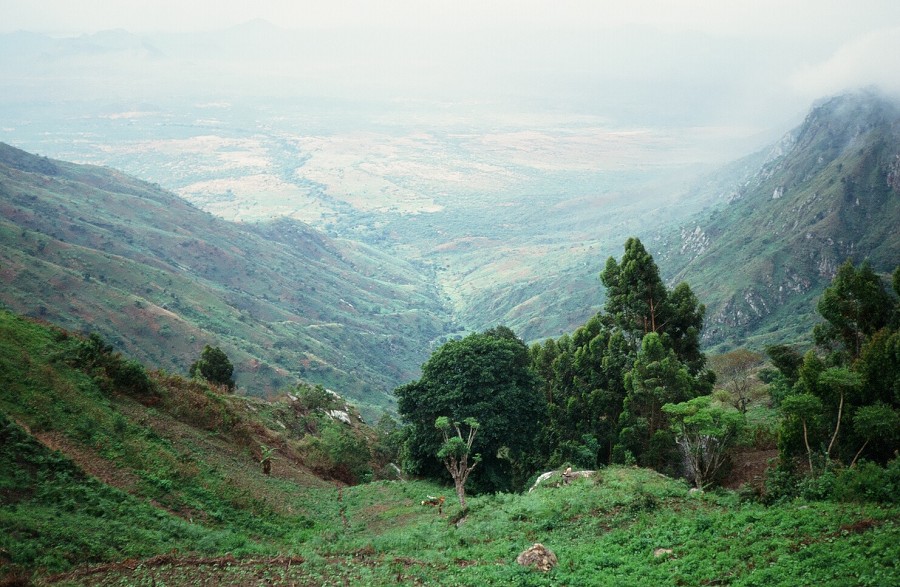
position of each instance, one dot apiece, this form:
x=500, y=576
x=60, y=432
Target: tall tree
x=484, y=376
x=597, y=380
x=830, y=406
x=682, y=322
x=657, y=377
x=635, y=294
x=638, y=303
x=855, y=306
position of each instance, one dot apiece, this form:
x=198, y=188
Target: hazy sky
x=761, y=18
x=754, y=63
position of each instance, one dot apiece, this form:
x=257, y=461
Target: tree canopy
x=487, y=377
x=842, y=403
x=214, y=366
x=855, y=306
x=606, y=383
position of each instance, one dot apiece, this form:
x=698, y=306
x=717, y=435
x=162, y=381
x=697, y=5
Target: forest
x=633, y=387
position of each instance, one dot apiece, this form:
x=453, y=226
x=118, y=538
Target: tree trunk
x=837, y=427
x=461, y=493
x=859, y=452
x=808, y=451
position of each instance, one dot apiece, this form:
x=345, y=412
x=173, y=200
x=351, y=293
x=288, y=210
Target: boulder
x=538, y=556
x=662, y=552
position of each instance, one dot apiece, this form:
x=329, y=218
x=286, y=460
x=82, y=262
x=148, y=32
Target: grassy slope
x=168, y=491
x=93, y=475
x=159, y=279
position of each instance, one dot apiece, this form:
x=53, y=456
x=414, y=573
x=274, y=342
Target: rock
x=538, y=556
x=661, y=552
x=340, y=415
x=541, y=479
x=568, y=477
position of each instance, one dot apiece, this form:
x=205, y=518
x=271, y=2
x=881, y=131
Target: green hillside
x=102, y=462
x=830, y=191
x=91, y=249
x=105, y=480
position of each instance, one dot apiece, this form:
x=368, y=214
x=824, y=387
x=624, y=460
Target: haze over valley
x=509, y=154
x=276, y=277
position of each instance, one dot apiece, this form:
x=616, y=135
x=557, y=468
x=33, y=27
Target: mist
x=743, y=73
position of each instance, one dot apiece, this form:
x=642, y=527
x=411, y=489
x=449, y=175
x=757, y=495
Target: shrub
x=781, y=483
x=315, y=397
x=214, y=366
x=110, y=370
x=129, y=376
x=818, y=487
x=869, y=482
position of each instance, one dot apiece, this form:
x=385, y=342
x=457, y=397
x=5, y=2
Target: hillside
x=828, y=192
x=91, y=249
x=102, y=484
x=86, y=435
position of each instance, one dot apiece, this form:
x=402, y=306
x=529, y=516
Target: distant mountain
x=29, y=49
x=92, y=249
x=828, y=192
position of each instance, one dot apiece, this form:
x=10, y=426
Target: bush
x=869, y=482
x=214, y=366
x=819, y=487
x=110, y=369
x=129, y=376
x=315, y=397
x=781, y=483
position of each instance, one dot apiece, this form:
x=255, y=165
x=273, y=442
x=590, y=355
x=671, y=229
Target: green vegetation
x=136, y=474
x=166, y=487
x=761, y=257
x=841, y=404
x=111, y=473
x=93, y=250
x=455, y=453
x=606, y=384
x=214, y=366
x=705, y=433
x=486, y=377
x=621, y=526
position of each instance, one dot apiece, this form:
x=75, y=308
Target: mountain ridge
x=827, y=192
x=160, y=278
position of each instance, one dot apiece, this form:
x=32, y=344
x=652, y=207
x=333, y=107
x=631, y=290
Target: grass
x=101, y=487
x=606, y=530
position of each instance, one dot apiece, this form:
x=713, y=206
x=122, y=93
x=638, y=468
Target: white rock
x=340, y=415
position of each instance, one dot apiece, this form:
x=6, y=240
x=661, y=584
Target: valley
x=275, y=278
x=485, y=205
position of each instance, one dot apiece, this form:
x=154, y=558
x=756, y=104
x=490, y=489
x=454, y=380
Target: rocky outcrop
x=893, y=174
x=538, y=557
x=565, y=478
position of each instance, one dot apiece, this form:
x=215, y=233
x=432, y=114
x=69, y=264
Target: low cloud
x=871, y=60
